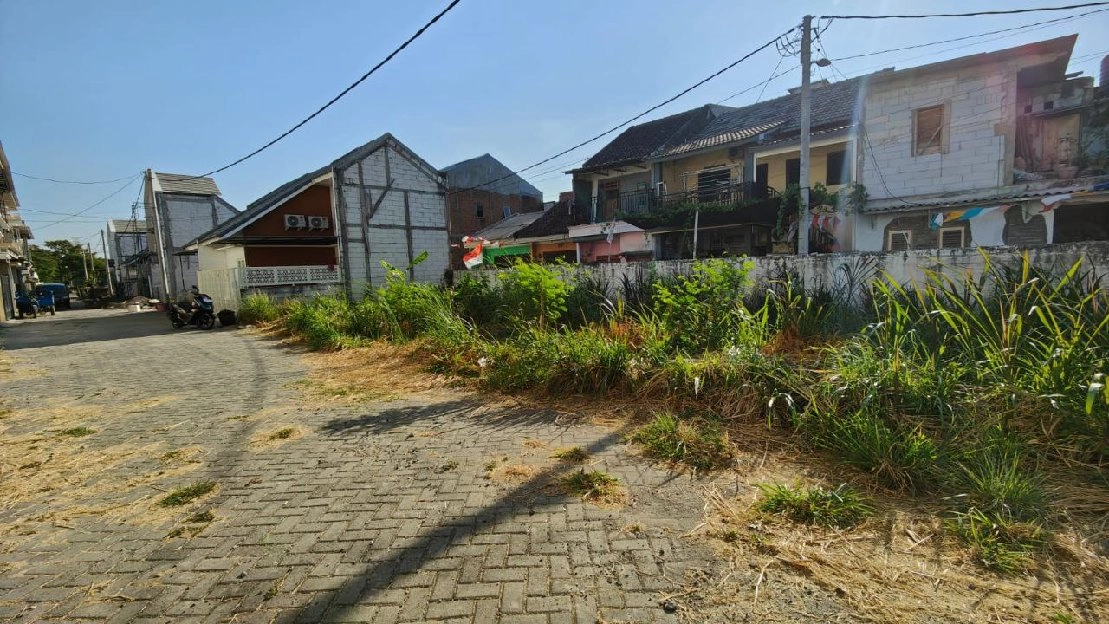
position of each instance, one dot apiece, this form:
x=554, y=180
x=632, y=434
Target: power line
x=100, y=201
x=957, y=39
x=31, y=177
x=342, y=93
x=637, y=117
x=1069, y=7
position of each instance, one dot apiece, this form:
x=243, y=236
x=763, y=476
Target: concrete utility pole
x=84, y=261
x=806, y=122
x=107, y=269
x=92, y=263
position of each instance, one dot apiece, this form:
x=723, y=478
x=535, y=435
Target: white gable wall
x=409, y=219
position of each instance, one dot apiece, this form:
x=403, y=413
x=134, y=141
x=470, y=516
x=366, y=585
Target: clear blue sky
x=100, y=90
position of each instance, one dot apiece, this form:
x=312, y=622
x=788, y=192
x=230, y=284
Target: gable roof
x=1060, y=47
x=638, y=142
x=264, y=204
x=555, y=221
x=181, y=183
x=833, y=105
x=127, y=226
x=479, y=171
x=507, y=228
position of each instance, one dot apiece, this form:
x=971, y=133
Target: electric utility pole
x=84, y=261
x=107, y=269
x=92, y=264
x=806, y=121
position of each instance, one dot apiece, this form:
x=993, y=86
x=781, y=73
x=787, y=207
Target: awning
x=491, y=253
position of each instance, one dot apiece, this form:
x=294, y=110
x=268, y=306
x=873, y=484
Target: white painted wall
x=979, y=101
x=415, y=205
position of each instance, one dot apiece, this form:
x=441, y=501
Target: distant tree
x=64, y=261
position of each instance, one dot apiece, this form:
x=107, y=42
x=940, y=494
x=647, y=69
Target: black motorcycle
x=200, y=312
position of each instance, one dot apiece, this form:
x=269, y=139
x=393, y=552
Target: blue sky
x=102, y=90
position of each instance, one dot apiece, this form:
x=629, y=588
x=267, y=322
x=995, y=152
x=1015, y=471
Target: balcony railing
x=256, y=277
x=646, y=201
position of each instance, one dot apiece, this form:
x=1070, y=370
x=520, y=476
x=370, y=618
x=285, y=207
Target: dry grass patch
x=534, y=444
x=899, y=565
x=379, y=372
x=275, y=437
x=511, y=473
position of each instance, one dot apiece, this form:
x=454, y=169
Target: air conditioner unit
x=318, y=223
x=295, y=222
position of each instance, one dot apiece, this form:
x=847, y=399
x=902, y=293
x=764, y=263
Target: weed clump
x=185, y=495
x=78, y=432
x=284, y=433
x=842, y=507
x=572, y=455
x=594, y=486
x=698, y=443
x=258, y=308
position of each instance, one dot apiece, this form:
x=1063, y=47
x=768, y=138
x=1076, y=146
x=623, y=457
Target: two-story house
x=127, y=239
x=178, y=209
x=332, y=227
x=15, y=264
x=980, y=150
x=706, y=182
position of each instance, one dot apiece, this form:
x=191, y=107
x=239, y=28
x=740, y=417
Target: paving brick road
x=371, y=512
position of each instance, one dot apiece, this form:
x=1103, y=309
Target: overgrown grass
x=969, y=388
x=842, y=507
x=187, y=494
x=695, y=442
x=258, y=308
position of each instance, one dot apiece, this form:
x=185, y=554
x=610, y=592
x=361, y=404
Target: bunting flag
x=825, y=222
x=965, y=214
x=474, y=257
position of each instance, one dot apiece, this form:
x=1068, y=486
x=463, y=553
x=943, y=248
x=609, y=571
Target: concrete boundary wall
x=844, y=270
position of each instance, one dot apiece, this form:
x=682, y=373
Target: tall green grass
x=968, y=387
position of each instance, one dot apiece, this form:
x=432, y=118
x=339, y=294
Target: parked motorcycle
x=26, y=306
x=198, y=311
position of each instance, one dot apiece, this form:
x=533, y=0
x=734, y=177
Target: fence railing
x=645, y=201
x=255, y=277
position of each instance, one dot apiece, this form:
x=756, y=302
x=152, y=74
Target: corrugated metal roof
x=507, y=228
x=180, y=183
x=986, y=196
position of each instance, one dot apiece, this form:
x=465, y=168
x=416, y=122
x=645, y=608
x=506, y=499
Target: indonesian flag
x=473, y=258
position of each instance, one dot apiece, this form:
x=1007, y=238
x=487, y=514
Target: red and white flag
x=473, y=258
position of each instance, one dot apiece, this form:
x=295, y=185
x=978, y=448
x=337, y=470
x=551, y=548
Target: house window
x=952, y=237
x=834, y=174
x=793, y=171
x=712, y=185
x=479, y=211
x=899, y=240
x=929, y=130
x=506, y=212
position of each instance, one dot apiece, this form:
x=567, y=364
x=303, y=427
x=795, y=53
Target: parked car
x=60, y=292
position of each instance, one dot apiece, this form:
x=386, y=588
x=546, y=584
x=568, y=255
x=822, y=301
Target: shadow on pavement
x=80, y=326
x=433, y=542
x=469, y=408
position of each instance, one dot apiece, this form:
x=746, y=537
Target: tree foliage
x=64, y=261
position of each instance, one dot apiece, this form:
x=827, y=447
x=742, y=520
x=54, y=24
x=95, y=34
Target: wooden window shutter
x=928, y=130
x=899, y=240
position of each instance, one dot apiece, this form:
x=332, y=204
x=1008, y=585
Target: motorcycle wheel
x=206, y=321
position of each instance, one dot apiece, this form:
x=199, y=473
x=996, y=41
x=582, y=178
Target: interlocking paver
x=379, y=512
